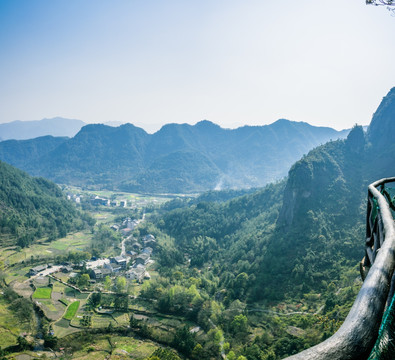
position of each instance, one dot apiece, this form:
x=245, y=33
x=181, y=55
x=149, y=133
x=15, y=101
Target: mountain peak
x=381, y=130
x=206, y=124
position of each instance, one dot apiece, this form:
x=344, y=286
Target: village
x=132, y=263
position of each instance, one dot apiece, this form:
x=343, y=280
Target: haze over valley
x=188, y=180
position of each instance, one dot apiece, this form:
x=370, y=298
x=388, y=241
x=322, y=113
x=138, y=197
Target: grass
x=125, y=347
x=42, y=249
x=42, y=293
x=10, y=326
x=71, y=310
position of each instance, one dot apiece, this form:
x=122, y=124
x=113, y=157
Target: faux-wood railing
x=356, y=337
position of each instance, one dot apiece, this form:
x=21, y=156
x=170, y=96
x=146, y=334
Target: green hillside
x=295, y=242
x=32, y=208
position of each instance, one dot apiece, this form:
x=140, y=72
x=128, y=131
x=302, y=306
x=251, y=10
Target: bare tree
x=390, y=4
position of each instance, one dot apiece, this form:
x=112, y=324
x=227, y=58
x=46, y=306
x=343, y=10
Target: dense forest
x=33, y=208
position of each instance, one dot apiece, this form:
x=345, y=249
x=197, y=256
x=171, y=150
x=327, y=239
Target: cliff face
x=342, y=169
x=381, y=131
x=311, y=182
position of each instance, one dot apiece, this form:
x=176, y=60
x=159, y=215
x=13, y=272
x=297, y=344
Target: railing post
x=356, y=337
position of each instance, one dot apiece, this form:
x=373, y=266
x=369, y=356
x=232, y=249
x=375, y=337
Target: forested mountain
x=23, y=130
x=24, y=153
x=177, y=158
x=293, y=237
x=33, y=208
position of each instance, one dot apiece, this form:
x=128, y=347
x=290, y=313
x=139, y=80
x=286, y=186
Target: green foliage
x=50, y=341
x=95, y=299
x=23, y=343
x=42, y=293
x=184, y=340
x=239, y=324
x=23, y=309
x=104, y=238
x=72, y=310
x=164, y=354
x=33, y=208
x=83, y=281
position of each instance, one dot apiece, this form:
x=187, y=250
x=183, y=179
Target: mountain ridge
x=130, y=159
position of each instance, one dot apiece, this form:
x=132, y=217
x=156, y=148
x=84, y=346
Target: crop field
x=100, y=321
x=121, y=318
x=77, y=241
x=42, y=293
x=73, y=242
x=71, y=310
x=63, y=328
x=125, y=347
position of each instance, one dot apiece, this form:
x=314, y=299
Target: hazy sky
x=152, y=62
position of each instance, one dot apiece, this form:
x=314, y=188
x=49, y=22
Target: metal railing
x=356, y=337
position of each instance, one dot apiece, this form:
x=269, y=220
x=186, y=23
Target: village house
x=136, y=246
x=113, y=267
x=97, y=274
x=141, y=259
x=67, y=269
x=120, y=261
x=101, y=273
x=36, y=270
x=147, y=250
x=114, y=227
x=149, y=241
x=96, y=201
x=131, y=253
x=135, y=274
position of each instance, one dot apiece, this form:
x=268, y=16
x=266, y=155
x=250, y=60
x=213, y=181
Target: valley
x=258, y=274
x=132, y=314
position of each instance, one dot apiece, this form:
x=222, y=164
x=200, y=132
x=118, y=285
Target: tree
x=184, y=340
x=121, y=301
x=95, y=299
x=50, y=341
x=121, y=283
x=107, y=283
x=83, y=281
x=239, y=324
x=23, y=344
x=197, y=352
x=133, y=322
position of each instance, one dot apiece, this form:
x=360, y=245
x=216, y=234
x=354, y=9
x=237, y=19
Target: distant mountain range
x=22, y=130
x=177, y=158
x=58, y=126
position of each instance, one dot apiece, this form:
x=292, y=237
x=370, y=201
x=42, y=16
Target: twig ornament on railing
x=390, y=4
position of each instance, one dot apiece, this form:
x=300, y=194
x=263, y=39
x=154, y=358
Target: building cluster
x=97, y=200
x=133, y=265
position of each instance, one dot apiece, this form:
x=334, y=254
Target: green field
x=72, y=310
x=73, y=242
x=42, y=293
x=10, y=326
x=125, y=347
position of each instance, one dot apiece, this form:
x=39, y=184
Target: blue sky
x=231, y=62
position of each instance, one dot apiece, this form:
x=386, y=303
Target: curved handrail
x=356, y=337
